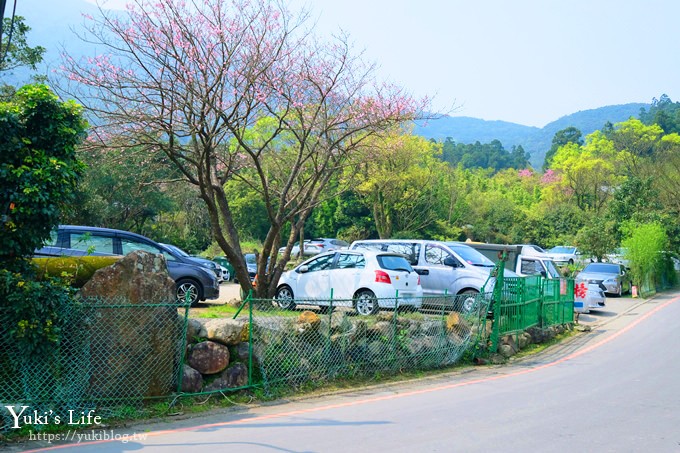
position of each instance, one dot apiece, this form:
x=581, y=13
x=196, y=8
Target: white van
x=444, y=267
x=524, y=260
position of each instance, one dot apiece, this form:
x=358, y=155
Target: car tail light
x=418, y=279
x=382, y=277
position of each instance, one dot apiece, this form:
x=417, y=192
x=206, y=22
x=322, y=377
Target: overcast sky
x=525, y=61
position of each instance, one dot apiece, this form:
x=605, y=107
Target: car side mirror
x=303, y=269
x=449, y=261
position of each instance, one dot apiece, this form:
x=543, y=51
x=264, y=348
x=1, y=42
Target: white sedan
x=363, y=279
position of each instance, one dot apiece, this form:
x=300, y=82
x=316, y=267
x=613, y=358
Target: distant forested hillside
x=535, y=141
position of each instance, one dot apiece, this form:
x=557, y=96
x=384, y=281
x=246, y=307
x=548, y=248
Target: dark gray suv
x=192, y=279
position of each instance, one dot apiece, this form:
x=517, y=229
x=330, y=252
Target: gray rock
x=233, y=377
x=524, y=340
x=194, y=330
x=192, y=380
x=506, y=350
x=242, y=351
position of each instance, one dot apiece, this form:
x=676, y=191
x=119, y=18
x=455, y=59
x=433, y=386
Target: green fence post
x=328, y=339
x=180, y=372
x=245, y=301
x=250, y=338
x=497, y=293
x=394, y=328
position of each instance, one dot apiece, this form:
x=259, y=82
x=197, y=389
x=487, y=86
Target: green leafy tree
x=590, y=171
x=401, y=183
x=38, y=167
x=636, y=143
x=597, y=237
x=664, y=113
x=16, y=53
x=561, y=138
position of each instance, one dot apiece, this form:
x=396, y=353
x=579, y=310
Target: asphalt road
x=615, y=388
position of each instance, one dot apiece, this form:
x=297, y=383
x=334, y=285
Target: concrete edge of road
x=638, y=302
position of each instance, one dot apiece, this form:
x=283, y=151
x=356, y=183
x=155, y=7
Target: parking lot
x=615, y=306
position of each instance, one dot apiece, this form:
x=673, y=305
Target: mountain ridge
x=535, y=141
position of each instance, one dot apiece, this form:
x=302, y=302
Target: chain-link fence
x=111, y=353
x=105, y=353
x=319, y=340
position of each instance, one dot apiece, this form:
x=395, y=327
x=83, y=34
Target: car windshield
x=470, y=255
x=250, y=258
x=565, y=250
x=552, y=270
x=394, y=263
x=176, y=249
x=603, y=268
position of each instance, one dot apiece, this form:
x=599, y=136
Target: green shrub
x=38, y=168
x=644, y=251
x=77, y=270
x=34, y=313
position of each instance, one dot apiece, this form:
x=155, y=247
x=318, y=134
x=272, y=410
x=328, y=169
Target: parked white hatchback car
x=365, y=280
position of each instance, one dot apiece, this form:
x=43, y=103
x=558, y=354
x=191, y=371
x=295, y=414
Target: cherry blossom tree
x=234, y=90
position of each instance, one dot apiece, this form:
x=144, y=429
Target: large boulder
x=140, y=277
x=226, y=331
x=131, y=324
x=233, y=377
x=209, y=357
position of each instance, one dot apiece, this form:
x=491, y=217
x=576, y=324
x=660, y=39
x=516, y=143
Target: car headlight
x=610, y=281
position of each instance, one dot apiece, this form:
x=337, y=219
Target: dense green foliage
x=644, y=250
x=38, y=167
x=405, y=186
x=489, y=155
x=36, y=310
x=663, y=112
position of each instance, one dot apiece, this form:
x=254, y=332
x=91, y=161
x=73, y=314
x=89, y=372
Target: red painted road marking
x=386, y=397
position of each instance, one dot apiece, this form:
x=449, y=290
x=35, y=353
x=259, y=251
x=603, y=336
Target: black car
x=191, y=278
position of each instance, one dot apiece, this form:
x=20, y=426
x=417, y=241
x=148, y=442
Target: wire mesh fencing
x=319, y=340
x=110, y=353
x=106, y=353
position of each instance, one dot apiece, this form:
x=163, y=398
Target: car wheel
x=285, y=298
x=365, y=303
x=620, y=293
x=571, y=262
x=469, y=301
x=188, y=289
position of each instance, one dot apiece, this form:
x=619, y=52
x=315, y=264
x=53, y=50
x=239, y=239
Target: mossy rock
x=79, y=269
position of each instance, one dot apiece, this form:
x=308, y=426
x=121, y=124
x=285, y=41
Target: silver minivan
x=444, y=267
